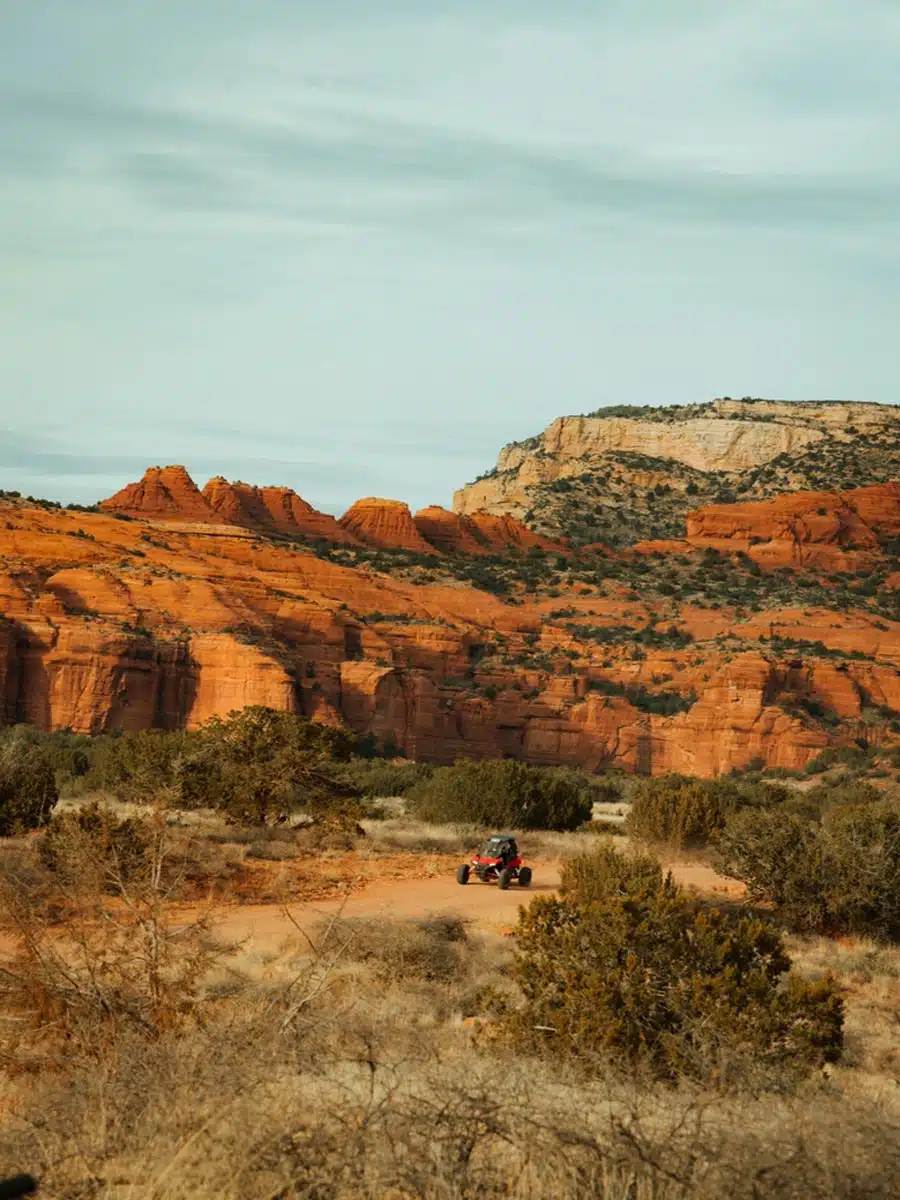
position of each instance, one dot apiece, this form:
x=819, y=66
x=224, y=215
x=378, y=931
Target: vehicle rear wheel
x=462, y=874
x=524, y=876
x=503, y=879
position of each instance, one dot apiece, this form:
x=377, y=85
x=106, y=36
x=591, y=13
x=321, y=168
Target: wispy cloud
x=354, y=167
x=360, y=245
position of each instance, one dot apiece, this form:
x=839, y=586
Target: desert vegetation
x=623, y=965
x=630, y=1041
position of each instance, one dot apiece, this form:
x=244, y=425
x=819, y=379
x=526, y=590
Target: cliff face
x=386, y=523
x=164, y=493
x=170, y=494
x=626, y=475
x=291, y=514
x=824, y=530
x=504, y=533
x=132, y=625
x=449, y=532
x=478, y=533
x=272, y=510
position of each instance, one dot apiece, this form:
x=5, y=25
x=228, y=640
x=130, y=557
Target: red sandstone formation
x=272, y=510
x=478, y=533
x=164, y=493
x=290, y=513
x=386, y=523
x=504, y=533
x=449, y=532
x=832, y=531
x=878, y=506
x=113, y=631
x=237, y=503
x=170, y=494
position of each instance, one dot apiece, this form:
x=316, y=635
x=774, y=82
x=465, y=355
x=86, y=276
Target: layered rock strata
x=104, y=627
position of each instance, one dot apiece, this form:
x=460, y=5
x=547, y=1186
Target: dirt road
x=265, y=927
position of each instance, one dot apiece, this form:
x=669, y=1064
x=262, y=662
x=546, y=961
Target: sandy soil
x=484, y=906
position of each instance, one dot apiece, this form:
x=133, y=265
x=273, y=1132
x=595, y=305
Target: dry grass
x=870, y=975
x=347, y=1065
x=403, y=833
x=358, y=1077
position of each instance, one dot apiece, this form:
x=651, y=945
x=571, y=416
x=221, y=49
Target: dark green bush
x=68, y=754
x=838, y=874
x=28, y=791
x=621, y=965
x=137, y=766
x=504, y=793
x=833, y=756
x=676, y=811
x=682, y=812
x=259, y=766
x=376, y=778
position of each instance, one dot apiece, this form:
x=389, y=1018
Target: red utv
x=498, y=860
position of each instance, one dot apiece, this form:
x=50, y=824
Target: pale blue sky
x=355, y=246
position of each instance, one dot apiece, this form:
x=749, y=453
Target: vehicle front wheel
x=525, y=877
x=462, y=874
x=503, y=880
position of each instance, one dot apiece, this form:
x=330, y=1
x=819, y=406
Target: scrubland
x=631, y=1040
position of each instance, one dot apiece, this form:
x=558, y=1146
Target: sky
x=355, y=246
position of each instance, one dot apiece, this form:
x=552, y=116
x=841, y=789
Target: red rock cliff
x=104, y=627
x=504, y=533
x=272, y=510
x=449, y=532
x=831, y=531
x=291, y=514
x=386, y=523
x=164, y=493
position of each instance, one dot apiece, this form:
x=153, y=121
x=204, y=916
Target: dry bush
x=119, y=960
x=870, y=978
x=605, y=827
x=409, y=835
x=371, y=1105
x=96, y=838
x=355, y=1077
x=432, y=949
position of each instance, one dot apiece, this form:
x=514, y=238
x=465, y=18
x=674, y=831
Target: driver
x=507, y=852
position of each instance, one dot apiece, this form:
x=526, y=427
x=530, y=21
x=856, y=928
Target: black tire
x=462, y=873
x=524, y=876
x=503, y=880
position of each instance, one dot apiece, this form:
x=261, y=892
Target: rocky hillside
x=765, y=634
x=624, y=474
x=169, y=494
